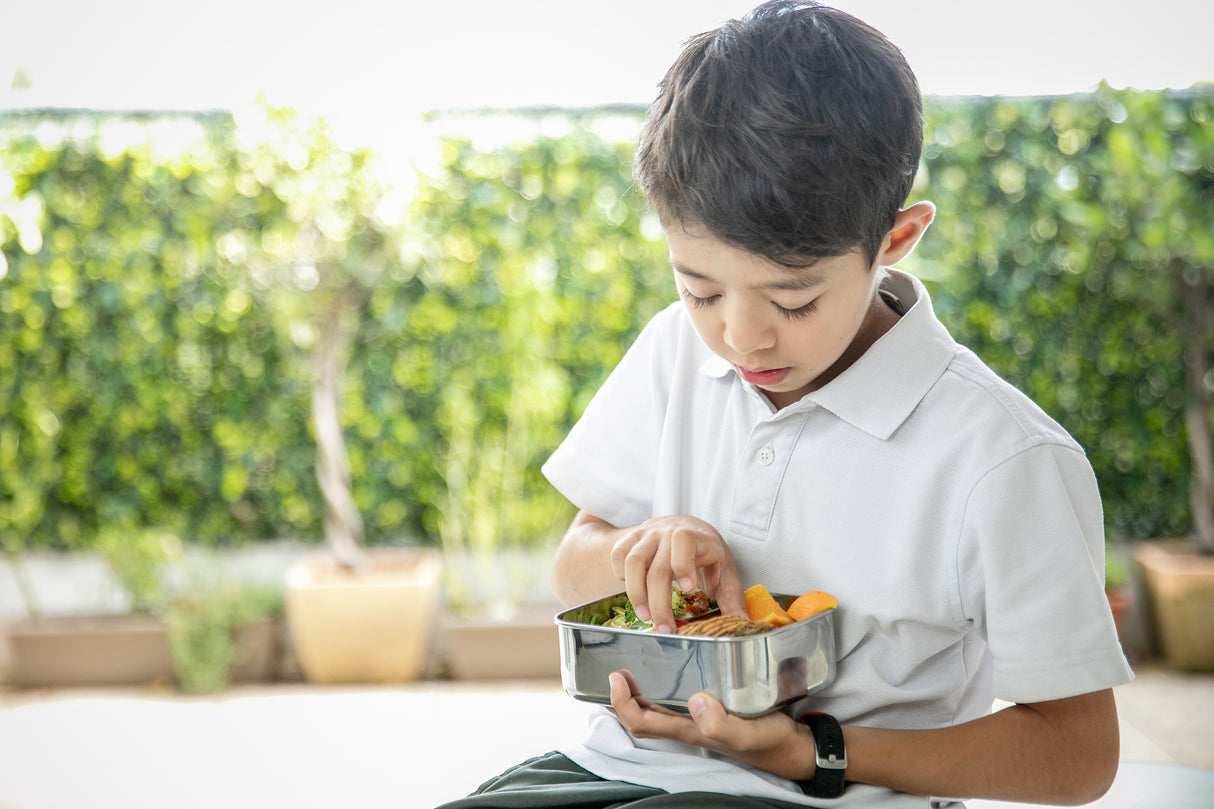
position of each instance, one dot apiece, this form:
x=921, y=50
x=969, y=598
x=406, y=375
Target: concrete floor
x=406, y=747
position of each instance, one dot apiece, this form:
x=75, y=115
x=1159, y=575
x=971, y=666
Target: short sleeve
x=607, y=465
x=1033, y=560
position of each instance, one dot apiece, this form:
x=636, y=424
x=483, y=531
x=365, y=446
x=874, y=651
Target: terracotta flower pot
x=525, y=646
x=1121, y=600
x=256, y=652
x=1180, y=585
x=104, y=650
x=89, y=651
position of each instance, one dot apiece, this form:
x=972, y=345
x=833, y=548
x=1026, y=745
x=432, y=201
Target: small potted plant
x=222, y=630
x=355, y=614
x=105, y=647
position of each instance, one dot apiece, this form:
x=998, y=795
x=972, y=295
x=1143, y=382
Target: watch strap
x=831, y=761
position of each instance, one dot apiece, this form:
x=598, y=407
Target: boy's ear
x=909, y=226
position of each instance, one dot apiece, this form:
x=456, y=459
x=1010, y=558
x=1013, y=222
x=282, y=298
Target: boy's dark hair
x=793, y=133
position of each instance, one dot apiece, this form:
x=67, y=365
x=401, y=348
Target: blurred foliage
x=138, y=560
x=543, y=244
x=156, y=315
x=204, y=621
x=140, y=386
x=154, y=331
x=1060, y=221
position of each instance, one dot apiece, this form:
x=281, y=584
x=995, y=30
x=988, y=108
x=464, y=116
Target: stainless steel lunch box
x=750, y=675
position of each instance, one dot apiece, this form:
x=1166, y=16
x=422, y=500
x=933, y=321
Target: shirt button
x=766, y=456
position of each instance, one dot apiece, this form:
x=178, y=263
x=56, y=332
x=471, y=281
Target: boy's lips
x=770, y=376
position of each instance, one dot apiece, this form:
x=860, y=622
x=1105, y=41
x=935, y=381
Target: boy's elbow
x=562, y=582
x=579, y=562
x=1104, y=768
x=1083, y=750
x=1096, y=753
x=1094, y=778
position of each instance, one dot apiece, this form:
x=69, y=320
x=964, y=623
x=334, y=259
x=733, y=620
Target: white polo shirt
x=959, y=526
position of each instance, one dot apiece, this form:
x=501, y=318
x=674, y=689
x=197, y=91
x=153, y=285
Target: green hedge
x=1061, y=222
x=139, y=385
x=152, y=342
x=153, y=364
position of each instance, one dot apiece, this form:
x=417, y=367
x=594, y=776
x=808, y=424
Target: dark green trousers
x=555, y=782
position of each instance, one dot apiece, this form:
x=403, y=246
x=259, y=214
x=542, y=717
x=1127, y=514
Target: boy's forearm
x=1061, y=752
x=581, y=570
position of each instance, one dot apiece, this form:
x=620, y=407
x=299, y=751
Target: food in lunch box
x=762, y=606
x=812, y=603
x=687, y=605
x=725, y=626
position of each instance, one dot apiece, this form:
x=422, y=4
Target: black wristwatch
x=831, y=756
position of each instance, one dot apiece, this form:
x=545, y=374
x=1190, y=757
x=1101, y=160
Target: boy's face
x=788, y=332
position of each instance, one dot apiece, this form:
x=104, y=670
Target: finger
x=623, y=692
x=619, y=553
x=683, y=551
x=709, y=715
x=630, y=680
x=635, y=689
x=658, y=582
x=727, y=733
x=773, y=739
x=722, y=583
x=636, y=582
x=645, y=721
x=620, y=685
x=729, y=594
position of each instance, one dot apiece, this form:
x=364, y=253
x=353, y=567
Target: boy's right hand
x=664, y=549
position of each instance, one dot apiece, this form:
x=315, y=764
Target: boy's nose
x=746, y=334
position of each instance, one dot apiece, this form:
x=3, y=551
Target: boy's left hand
x=774, y=742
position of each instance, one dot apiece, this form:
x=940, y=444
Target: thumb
x=708, y=713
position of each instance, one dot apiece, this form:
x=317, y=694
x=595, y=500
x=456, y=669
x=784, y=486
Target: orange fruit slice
x=812, y=603
x=762, y=607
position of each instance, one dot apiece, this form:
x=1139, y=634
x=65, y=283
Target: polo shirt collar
x=881, y=389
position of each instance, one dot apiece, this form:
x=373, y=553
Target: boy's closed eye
x=695, y=300
x=800, y=311
x=790, y=313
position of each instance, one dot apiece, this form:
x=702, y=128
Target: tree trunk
x=343, y=523
x=1195, y=285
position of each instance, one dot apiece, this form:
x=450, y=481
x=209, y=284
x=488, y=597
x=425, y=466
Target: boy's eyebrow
x=804, y=279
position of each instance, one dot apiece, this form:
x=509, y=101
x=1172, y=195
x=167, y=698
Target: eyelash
x=800, y=312
x=788, y=314
x=697, y=302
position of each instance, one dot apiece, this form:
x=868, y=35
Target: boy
x=802, y=420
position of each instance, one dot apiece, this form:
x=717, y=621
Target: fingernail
x=687, y=583
x=664, y=630
x=642, y=612
x=696, y=705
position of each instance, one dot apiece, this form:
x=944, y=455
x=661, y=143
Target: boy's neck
x=879, y=319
